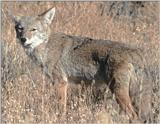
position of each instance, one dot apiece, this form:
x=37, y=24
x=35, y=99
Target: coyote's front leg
x=122, y=76
x=61, y=87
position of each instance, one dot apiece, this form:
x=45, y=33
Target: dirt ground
x=27, y=96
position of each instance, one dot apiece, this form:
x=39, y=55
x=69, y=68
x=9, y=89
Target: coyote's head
x=32, y=31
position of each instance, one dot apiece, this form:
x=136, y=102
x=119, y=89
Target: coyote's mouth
x=27, y=45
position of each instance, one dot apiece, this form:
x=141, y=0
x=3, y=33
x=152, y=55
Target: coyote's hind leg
x=122, y=76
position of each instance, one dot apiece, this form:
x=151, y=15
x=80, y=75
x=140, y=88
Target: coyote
x=65, y=58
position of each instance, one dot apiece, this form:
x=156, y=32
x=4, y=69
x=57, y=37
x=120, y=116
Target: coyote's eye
x=34, y=29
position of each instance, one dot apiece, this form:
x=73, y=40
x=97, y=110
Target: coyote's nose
x=23, y=40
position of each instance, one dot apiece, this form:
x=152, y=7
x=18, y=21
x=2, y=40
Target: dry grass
x=27, y=96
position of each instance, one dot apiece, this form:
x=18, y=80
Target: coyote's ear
x=48, y=15
x=15, y=19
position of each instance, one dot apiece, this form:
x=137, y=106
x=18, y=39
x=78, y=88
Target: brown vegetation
x=27, y=96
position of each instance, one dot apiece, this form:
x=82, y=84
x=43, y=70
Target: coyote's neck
x=38, y=54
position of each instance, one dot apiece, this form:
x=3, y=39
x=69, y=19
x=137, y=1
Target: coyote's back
x=66, y=58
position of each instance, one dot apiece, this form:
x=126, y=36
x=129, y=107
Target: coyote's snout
x=67, y=58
